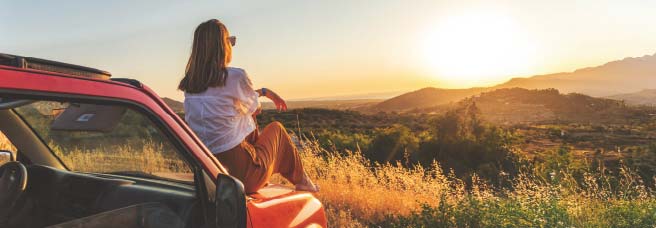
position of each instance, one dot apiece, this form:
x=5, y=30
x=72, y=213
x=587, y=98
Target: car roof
x=52, y=66
x=56, y=68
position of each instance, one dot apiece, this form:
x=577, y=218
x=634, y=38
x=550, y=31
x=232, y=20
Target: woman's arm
x=281, y=105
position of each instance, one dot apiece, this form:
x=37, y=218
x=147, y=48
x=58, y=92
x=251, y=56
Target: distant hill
x=629, y=74
x=519, y=105
x=423, y=98
x=607, y=80
x=177, y=106
x=326, y=104
x=644, y=97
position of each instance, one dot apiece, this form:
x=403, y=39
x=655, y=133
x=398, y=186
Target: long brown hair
x=210, y=54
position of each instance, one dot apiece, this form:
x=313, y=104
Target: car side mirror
x=230, y=202
x=6, y=156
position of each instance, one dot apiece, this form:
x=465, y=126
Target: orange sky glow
x=338, y=48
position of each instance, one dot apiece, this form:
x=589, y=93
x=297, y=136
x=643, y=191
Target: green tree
x=462, y=142
x=395, y=143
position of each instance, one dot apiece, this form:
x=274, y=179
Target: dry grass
x=347, y=182
x=5, y=144
x=148, y=158
x=358, y=194
x=355, y=192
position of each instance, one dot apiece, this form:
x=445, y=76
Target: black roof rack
x=52, y=66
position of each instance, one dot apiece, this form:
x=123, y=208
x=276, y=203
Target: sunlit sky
x=310, y=49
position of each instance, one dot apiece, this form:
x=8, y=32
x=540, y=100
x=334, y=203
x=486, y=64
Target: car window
x=5, y=144
x=109, y=139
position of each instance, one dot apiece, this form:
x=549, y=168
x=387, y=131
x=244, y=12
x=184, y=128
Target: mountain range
x=616, y=77
x=643, y=97
x=631, y=79
x=616, y=80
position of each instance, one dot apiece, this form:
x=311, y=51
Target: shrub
x=463, y=143
x=393, y=144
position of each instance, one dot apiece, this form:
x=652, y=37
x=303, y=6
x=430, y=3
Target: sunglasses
x=233, y=40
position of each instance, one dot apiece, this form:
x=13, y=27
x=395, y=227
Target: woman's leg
x=273, y=152
x=243, y=163
x=275, y=147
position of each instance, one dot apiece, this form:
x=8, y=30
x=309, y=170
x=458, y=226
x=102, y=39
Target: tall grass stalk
x=359, y=193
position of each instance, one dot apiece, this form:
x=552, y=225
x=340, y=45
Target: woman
x=220, y=106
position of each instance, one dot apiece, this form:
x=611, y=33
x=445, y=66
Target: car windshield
x=109, y=139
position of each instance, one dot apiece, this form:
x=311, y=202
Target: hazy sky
x=307, y=48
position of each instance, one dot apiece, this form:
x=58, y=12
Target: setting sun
x=477, y=48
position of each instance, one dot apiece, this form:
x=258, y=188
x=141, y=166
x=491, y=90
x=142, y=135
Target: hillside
x=423, y=98
x=629, y=74
x=524, y=105
x=518, y=105
x=644, y=97
x=177, y=106
x=616, y=77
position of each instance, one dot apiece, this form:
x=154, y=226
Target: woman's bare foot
x=307, y=185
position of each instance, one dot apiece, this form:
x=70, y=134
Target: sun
x=477, y=49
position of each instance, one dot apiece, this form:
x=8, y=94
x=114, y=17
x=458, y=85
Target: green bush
x=393, y=144
x=462, y=142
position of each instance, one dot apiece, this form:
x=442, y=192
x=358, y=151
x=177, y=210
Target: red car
x=96, y=151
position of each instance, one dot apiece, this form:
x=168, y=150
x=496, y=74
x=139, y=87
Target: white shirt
x=222, y=116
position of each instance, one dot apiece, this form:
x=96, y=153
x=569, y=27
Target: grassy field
x=147, y=158
x=357, y=193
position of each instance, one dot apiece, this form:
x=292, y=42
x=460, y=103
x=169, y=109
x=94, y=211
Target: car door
x=27, y=83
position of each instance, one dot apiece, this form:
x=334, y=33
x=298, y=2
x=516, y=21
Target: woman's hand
x=281, y=105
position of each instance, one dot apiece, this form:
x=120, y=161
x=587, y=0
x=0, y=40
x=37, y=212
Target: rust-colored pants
x=258, y=157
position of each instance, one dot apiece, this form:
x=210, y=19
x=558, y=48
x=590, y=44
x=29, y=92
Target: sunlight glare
x=477, y=49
